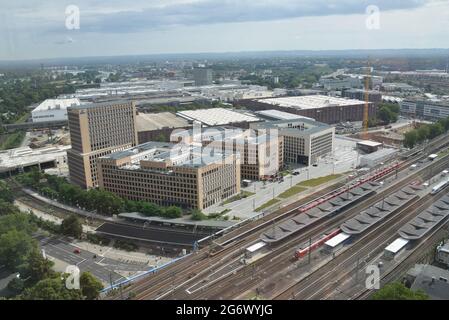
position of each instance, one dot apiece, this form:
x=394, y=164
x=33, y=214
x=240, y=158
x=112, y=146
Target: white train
x=442, y=185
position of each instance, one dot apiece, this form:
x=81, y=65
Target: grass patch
x=443, y=153
x=240, y=196
x=267, y=204
x=318, y=181
x=13, y=140
x=292, y=191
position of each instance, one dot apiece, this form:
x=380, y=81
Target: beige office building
x=261, y=153
x=165, y=174
x=305, y=141
x=97, y=130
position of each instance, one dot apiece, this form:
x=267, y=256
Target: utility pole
x=310, y=249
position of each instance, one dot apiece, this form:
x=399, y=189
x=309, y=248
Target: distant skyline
x=31, y=29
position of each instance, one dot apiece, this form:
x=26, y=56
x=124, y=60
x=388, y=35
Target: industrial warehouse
x=325, y=109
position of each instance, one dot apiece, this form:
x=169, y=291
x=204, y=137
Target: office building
x=97, y=130
x=425, y=109
x=304, y=141
x=203, y=76
x=171, y=174
x=360, y=94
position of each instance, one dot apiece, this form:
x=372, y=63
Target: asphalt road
x=62, y=250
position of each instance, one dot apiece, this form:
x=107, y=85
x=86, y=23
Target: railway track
x=326, y=279
x=419, y=249
x=282, y=257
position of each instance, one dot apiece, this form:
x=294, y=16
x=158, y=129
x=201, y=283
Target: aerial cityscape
x=210, y=150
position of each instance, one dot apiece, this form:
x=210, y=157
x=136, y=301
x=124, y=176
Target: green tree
x=172, y=212
x=7, y=208
x=90, y=286
x=37, y=268
x=397, y=291
x=197, y=215
x=385, y=115
x=422, y=133
x=71, y=226
x=410, y=139
x=51, y=289
x=5, y=192
x=15, y=247
x=16, y=285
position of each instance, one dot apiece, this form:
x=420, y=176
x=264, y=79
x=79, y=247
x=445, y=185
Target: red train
x=302, y=252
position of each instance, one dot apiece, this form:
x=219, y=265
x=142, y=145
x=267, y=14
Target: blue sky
x=31, y=29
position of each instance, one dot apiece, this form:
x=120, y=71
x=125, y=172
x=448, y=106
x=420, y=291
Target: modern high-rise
x=305, y=141
x=202, y=76
x=97, y=130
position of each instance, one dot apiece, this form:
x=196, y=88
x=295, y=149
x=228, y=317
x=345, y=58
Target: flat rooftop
x=25, y=156
x=56, y=104
x=310, y=102
x=156, y=121
x=179, y=156
x=217, y=116
x=280, y=115
x=369, y=143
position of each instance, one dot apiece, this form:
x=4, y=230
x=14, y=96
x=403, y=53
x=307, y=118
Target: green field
x=292, y=191
x=318, y=181
x=267, y=204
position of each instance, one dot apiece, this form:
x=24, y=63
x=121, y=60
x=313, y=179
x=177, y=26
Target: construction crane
x=366, y=108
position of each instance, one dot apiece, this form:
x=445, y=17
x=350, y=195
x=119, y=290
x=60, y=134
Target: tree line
x=101, y=201
x=426, y=132
x=20, y=253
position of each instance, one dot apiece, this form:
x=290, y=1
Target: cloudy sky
x=31, y=29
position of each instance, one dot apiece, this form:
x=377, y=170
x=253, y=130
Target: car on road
x=77, y=251
x=295, y=173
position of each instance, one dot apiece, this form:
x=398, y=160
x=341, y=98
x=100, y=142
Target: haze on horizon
x=31, y=29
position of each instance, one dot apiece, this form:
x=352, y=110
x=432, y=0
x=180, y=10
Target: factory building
x=324, y=109
x=219, y=117
x=53, y=110
x=158, y=126
x=425, y=109
x=304, y=141
x=97, y=130
x=171, y=174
